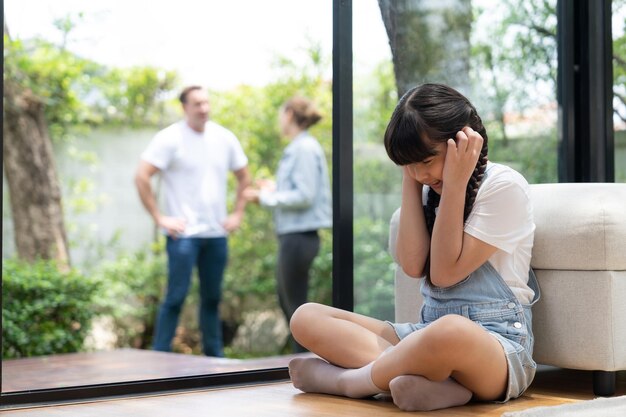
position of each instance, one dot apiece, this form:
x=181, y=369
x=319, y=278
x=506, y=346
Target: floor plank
x=551, y=387
x=72, y=369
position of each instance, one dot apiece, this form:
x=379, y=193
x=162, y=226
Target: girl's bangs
x=408, y=142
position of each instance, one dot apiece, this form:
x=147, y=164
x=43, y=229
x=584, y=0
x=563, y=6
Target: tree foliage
x=135, y=96
x=78, y=93
x=56, y=76
x=519, y=70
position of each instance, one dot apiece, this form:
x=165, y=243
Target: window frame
x=585, y=91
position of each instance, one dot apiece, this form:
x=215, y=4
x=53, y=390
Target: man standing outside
x=194, y=157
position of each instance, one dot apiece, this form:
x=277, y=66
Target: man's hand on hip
x=173, y=226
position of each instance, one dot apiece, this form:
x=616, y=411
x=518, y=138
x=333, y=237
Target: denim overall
x=487, y=300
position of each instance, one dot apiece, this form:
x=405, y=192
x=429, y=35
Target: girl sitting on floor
x=466, y=225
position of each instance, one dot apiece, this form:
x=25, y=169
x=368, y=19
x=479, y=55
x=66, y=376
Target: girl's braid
x=474, y=182
x=429, y=209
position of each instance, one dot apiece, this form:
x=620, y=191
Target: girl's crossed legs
x=439, y=366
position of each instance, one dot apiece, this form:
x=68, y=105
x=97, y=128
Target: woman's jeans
x=209, y=255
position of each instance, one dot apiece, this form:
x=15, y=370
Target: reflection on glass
x=105, y=94
x=619, y=88
x=512, y=82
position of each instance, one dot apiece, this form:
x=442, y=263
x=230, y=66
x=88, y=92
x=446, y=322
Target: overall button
x=517, y=325
x=511, y=305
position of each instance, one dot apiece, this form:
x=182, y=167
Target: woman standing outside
x=301, y=201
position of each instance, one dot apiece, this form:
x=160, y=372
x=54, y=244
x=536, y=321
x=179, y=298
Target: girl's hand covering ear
x=461, y=158
x=408, y=171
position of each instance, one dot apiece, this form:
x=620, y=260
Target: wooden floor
x=121, y=365
x=551, y=387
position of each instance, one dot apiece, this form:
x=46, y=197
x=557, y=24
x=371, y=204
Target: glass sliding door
x=376, y=178
x=512, y=82
x=107, y=76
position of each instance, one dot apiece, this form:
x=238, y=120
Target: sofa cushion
x=580, y=226
x=579, y=321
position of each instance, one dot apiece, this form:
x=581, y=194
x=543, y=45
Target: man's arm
x=145, y=171
x=233, y=221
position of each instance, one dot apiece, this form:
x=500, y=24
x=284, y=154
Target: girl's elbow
x=443, y=280
x=438, y=281
x=411, y=265
x=412, y=270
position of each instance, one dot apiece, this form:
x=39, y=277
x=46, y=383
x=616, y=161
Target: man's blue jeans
x=209, y=255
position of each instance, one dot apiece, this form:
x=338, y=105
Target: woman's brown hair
x=304, y=111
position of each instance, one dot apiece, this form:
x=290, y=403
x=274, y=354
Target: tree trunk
x=30, y=172
x=429, y=41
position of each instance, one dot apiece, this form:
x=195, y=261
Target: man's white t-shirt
x=502, y=217
x=194, y=167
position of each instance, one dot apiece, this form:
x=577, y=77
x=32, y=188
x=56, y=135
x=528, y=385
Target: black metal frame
x=343, y=257
x=127, y=388
x=585, y=154
x=585, y=91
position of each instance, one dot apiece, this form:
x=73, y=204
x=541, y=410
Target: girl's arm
x=455, y=254
x=413, y=239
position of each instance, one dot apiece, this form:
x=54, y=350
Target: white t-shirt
x=194, y=167
x=502, y=217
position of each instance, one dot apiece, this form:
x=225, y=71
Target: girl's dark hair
x=304, y=111
x=424, y=117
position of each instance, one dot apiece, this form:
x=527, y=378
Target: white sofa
x=579, y=257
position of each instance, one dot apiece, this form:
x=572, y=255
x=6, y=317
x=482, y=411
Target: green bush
x=132, y=288
x=44, y=310
x=373, y=269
